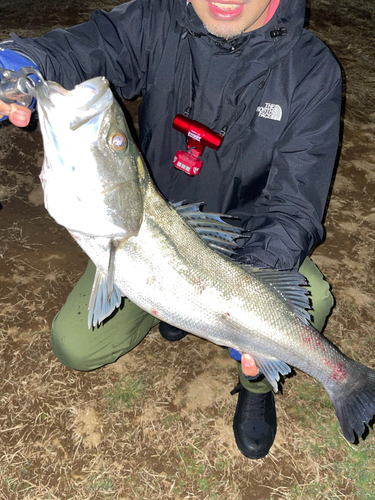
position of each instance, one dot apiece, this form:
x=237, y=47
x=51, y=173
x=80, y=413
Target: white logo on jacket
x=270, y=111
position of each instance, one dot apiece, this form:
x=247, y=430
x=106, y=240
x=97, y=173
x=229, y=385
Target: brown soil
x=157, y=424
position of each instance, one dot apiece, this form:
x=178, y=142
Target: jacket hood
x=273, y=40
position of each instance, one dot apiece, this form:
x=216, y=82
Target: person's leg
x=254, y=422
x=81, y=348
x=320, y=294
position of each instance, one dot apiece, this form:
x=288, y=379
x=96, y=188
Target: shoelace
x=254, y=405
x=236, y=389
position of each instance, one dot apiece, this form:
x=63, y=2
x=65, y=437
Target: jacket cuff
x=255, y=257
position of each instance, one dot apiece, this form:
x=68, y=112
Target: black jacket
x=277, y=89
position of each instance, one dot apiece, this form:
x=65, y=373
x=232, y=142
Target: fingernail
x=21, y=117
x=246, y=361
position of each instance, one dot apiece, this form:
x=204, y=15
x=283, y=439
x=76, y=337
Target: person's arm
x=286, y=219
x=109, y=44
x=114, y=45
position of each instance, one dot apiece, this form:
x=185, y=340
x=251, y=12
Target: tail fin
x=355, y=406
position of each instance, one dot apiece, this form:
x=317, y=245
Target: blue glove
x=9, y=59
x=234, y=354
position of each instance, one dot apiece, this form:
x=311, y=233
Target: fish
x=174, y=260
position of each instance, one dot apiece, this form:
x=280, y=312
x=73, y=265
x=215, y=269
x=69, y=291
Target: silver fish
x=170, y=260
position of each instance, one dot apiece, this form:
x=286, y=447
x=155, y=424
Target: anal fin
x=272, y=368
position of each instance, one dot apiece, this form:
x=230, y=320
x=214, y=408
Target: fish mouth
x=44, y=94
x=99, y=98
x=84, y=102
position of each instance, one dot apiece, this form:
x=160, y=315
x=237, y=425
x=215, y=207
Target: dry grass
x=157, y=424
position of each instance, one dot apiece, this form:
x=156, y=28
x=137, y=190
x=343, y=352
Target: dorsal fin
x=219, y=235
x=290, y=285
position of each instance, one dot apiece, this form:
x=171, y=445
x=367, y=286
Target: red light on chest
x=198, y=136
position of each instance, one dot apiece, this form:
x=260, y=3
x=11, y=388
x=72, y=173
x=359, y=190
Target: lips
x=225, y=11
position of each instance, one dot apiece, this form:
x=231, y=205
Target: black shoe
x=170, y=332
x=254, y=422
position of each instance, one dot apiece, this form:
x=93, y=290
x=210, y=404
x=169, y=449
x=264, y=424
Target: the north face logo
x=270, y=111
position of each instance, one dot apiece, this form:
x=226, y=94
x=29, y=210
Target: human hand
x=248, y=365
x=18, y=115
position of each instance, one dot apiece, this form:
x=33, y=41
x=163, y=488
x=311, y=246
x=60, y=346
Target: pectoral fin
x=105, y=296
x=102, y=303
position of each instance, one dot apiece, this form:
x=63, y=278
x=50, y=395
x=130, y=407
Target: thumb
x=248, y=365
x=19, y=116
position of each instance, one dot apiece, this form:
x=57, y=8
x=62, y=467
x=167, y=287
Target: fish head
x=90, y=174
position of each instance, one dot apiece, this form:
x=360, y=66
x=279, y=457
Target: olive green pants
x=81, y=348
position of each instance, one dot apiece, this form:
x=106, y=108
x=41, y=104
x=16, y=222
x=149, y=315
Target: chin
x=226, y=32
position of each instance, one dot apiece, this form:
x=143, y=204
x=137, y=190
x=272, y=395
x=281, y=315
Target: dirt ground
x=157, y=424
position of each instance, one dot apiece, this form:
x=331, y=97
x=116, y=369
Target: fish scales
x=144, y=248
x=168, y=256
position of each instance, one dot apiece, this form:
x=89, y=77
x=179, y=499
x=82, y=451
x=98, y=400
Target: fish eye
x=118, y=142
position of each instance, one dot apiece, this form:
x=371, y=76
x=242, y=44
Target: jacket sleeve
x=286, y=219
x=109, y=44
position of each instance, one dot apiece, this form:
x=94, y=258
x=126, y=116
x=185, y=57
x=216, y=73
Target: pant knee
x=321, y=295
x=67, y=348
